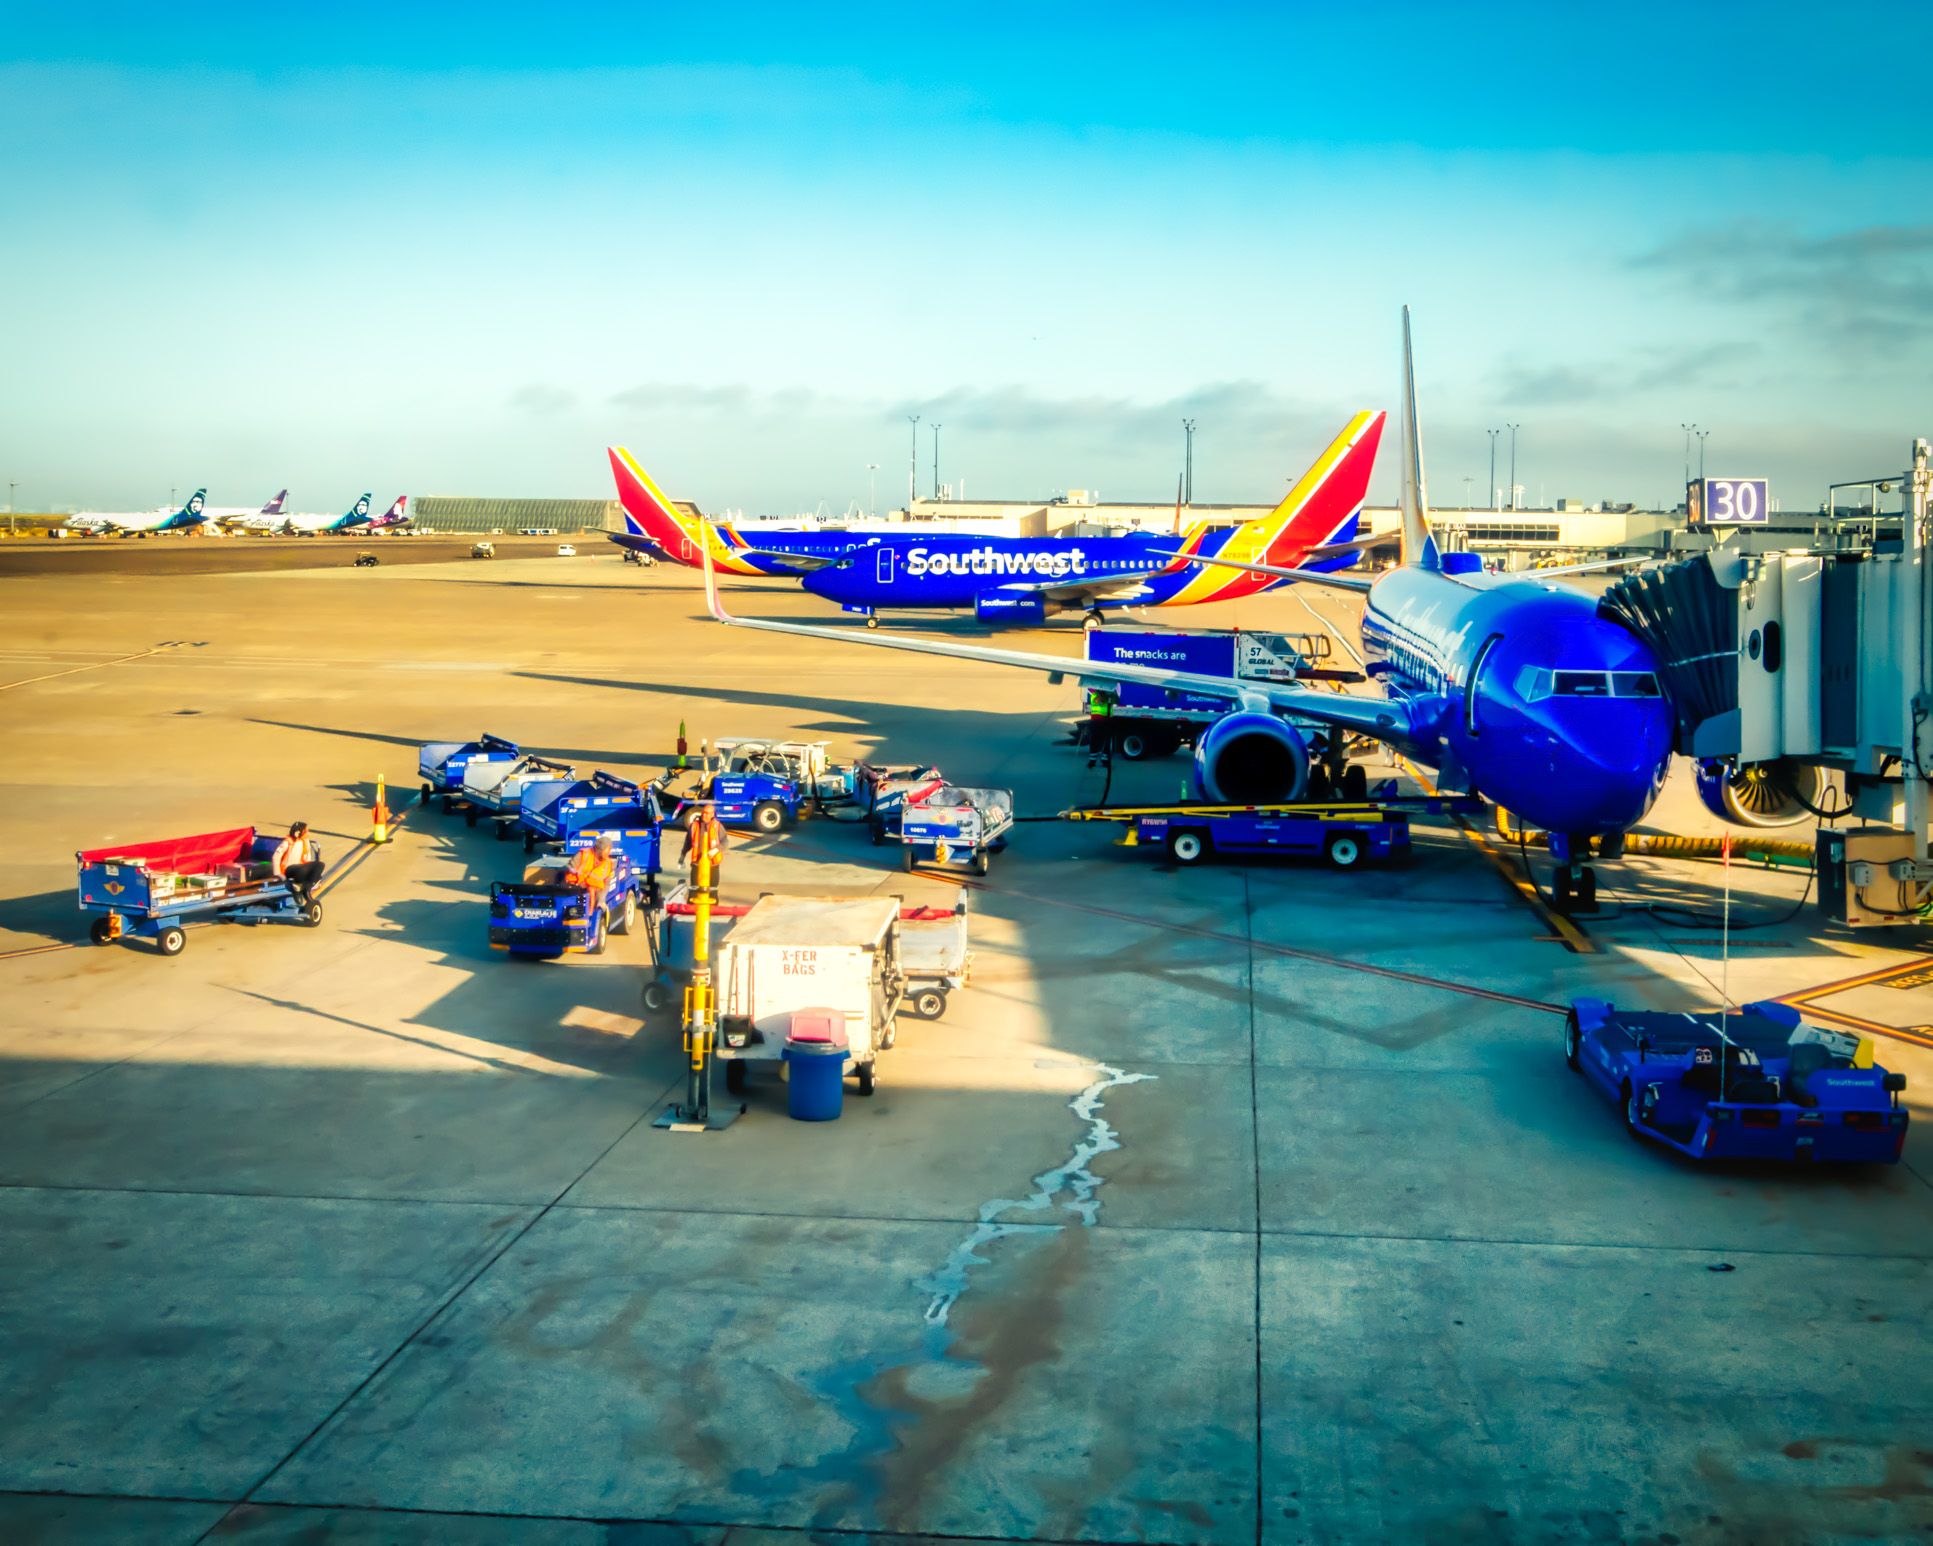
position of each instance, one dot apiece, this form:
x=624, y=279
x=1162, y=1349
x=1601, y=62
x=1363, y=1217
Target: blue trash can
x=816, y=1088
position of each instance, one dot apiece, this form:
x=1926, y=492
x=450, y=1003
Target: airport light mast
x=1493, y=433
x=1513, y=428
x=936, y=461
x=1188, y=462
x=913, y=465
x=872, y=489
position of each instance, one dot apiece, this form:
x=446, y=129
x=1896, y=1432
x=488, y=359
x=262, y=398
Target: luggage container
x=934, y=956
x=789, y=955
x=151, y=890
x=494, y=790
x=952, y=824
x=441, y=764
x=550, y=809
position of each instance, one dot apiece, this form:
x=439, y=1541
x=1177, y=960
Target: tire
x=602, y=935
x=503, y=831
x=912, y=857
x=311, y=915
x=737, y=1071
x=172, y=940
x=1355, y=782
x=868, y=1080
x=1587, y=891
x=449, y=805
x=982, y=862
x=878, y=833
x=427, y=792
x=656, y=995
x=872, y=622
x=1573, y=1037
x=928, y=1003
x=1167, y=743
x=1132, y=744
x=622, y=923
x=469, y=818
x=1630, y=1111
x=1189, y=846
x=530, y=842
x=1344, y=850
x=768, y=816
x=101, y=931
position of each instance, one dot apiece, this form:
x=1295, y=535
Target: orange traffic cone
x=381, y=832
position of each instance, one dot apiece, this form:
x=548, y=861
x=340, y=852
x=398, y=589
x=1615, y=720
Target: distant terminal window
x=1484, y=531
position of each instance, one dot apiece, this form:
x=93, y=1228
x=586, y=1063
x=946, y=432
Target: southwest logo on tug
x=1022, y=579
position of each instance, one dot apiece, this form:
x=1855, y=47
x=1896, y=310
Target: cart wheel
x=427, y=792
x=929, y=1003
x=867, y=1079
x=503, y=831
x=530, y=842
x=982, y=862
x=469, y=818
x=1187, y=847
x=1343, y=850
x=768, y=816
x=622, y=923
x=1132, y=744
x=1630, y=1110
x=310, y=915
x=890, y=1037
x=101, y=931
x=172, y=940
x=1571, y=1040
x=601, y=929
x=878, y=832
x=657, y=995
x=1355, y=782
x=735, y=1075
x=912, y=857
x=872, y=622
x=449, y=804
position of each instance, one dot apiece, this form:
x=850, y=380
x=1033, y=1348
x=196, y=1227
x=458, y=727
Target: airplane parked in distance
x=1022, y=579
x=395, y=518
x=237, y=517
x=357, y=515
x=1511, y=687
x=142, y=523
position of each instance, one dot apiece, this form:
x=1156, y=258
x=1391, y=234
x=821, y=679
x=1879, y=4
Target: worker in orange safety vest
x=704, y=834
x=593, y=869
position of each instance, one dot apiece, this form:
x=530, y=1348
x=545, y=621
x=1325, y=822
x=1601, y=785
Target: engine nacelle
x=1761, y=794
x=994, y=606
x=1251, y=759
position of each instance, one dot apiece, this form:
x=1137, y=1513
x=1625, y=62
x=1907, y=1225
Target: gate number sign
x=1731, y=501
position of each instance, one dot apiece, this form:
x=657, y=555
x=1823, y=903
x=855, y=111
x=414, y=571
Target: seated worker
x=593, y=869
x=299, y=862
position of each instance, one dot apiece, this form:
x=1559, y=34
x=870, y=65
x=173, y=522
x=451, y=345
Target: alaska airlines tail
x=193, y=513
x=1419, y=547
x=1320, y=511
x=356, y=514
x=647, y=513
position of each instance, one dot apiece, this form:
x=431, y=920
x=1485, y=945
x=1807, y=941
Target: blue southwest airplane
x=1022, y=579
x=1511, y=688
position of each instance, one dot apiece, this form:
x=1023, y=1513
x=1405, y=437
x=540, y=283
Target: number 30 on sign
x=1730, y=502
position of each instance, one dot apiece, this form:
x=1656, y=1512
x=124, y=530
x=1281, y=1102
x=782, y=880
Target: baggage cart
x=952, y=824
x=933, y=955
x=549, y=810
x=153, y=890
x=795, y=956
x=493, y=790
x=441, y=764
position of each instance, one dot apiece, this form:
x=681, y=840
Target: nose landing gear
x=1574, y=889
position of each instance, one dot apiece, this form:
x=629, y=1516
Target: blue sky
x=450, y=250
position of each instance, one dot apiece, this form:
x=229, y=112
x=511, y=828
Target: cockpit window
x=1535, y=683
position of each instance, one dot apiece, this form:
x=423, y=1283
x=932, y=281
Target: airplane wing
x=798, y=563
x=1348, y=582
x=1112, y=587
x=1602, y=563
x=1381, y=718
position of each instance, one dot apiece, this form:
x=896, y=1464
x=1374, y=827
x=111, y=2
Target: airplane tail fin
x=1324, y=505
x=359, y=511
x=397, y=511
x=1419, y=546
x=194, y=512
x=274, y=506
x=648, y=513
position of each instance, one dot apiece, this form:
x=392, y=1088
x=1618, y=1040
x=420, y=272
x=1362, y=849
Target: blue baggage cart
x=153, y=890
x=441, y=763
x=952, y=824
x=550, y=809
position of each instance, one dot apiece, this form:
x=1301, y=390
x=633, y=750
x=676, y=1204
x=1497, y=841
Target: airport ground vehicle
x=1144, y=721
x=1347, y=833
x=757, y=783
x=952, y=824
x=934, y=956
x=152, y=890
x=793, y=956
x=565, y=550
x=366, y=560
x=483, y=550
x=1755, y=1084
x=441, y=764
x=551, y=810
x=494, y=790
x=541, y=917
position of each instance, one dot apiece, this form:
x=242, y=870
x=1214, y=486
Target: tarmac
x=1241, y=1203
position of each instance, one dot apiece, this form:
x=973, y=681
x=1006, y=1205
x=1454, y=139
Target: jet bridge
x=1783, y=668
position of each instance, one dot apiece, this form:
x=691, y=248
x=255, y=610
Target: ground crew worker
x=299, y=862
x=593, y=869
x=704, y=834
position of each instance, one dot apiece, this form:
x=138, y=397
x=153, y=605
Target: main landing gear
x=1092, y=619
x=1574, y=888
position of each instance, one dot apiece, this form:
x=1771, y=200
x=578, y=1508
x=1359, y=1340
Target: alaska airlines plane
x=316, y=525
x=139, y=524
x=1021, y=579
x=1512, y=688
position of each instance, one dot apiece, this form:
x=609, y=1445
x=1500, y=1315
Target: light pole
x=1188, y=462
x=1493, y=433
x=913, y=465
x=1468, y=479
x=1690, y=430
x=936, y=461
x=872, y=490
x=11, y=486
x=1701, y=454
x=1513, y=428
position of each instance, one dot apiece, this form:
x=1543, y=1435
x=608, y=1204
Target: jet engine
x=1251, y=759
x=1027, y=608
x=1761, y=794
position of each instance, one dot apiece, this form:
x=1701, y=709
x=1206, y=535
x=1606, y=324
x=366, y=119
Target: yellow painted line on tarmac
x=1806, y=1000
x=99, y=665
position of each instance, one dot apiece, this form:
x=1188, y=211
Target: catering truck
x=1145, y=721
